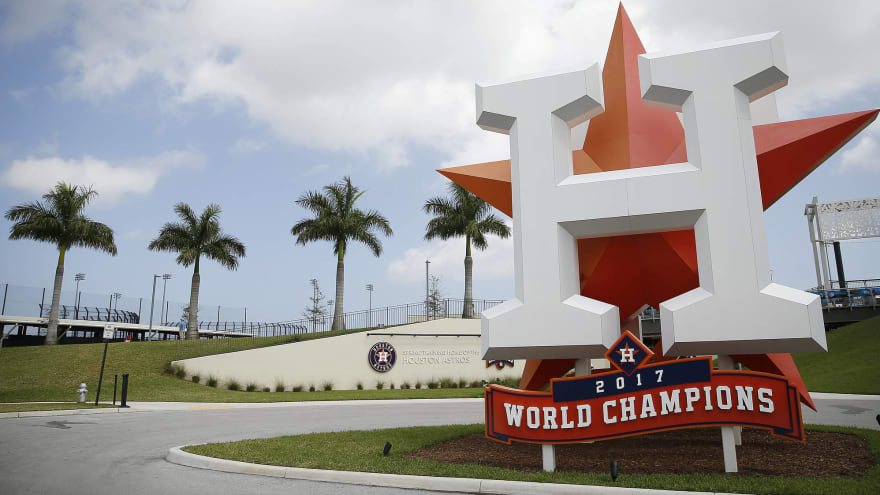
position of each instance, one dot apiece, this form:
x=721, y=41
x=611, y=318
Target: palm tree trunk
x=52, y=327
x=338, y=318
x=192, y=326
x=468, y=310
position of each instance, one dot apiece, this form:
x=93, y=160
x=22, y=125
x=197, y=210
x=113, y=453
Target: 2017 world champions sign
x=652, y=211
x=638, y=399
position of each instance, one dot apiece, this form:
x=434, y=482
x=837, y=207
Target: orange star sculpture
x=633, y=271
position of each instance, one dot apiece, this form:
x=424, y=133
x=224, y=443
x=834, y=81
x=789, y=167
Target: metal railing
x=387, y=316
x=858, y=297
x=91, y=314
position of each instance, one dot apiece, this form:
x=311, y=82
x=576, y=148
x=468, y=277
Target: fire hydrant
x=82, y=392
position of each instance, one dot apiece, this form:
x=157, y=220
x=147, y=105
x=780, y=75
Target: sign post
x=109, y=331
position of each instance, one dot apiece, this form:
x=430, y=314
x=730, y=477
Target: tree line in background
x=59, y=219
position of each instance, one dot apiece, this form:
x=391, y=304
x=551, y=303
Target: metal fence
x=29, y=301
x=79, y=305
x=373, y=318
x=92, y=314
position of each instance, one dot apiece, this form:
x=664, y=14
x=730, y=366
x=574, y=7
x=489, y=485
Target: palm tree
x=464, y=214
x=192, y=238
x=59, y=219
x=338, y=221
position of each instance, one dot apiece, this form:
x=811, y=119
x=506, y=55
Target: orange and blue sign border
x=785, y=420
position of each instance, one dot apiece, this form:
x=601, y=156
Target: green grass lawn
x=42, y=373
x=49, y=407
x=363, y=452
x=850, y=366
x=54, y=373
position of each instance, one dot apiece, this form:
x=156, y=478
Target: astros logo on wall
x=499, y=363
x=382, y=356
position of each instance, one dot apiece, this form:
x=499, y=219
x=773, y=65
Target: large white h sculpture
x=736, y=309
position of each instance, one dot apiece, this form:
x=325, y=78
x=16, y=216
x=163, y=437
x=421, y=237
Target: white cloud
x=112, y=181
x=245, y=145
x=375, y=78
x=317, y=169
x=864, y=156
x=447, y=261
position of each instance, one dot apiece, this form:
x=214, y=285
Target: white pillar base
x=728, y=444
x=738, y=435
x=582, y=367
x=728, y=433
x=548, y=454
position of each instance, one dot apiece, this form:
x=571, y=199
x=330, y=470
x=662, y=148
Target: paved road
x=124, y=453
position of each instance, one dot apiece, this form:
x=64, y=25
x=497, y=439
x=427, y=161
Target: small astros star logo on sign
x=628, y=353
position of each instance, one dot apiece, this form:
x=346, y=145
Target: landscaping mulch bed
x=827, y=455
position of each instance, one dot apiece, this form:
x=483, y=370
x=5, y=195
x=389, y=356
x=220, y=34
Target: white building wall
x=343, y=360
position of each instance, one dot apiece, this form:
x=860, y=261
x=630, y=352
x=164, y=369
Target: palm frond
x=199, y=235
x=335, y=218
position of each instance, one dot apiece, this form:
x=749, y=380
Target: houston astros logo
x=716, y=192
x=382, y=356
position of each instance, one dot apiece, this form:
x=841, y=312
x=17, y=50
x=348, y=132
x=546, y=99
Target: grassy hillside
x=54, y=373
x=851, y=364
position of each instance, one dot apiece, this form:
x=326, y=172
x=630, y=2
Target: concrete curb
x=829, y=395
x=68, y=412
x=466, y=485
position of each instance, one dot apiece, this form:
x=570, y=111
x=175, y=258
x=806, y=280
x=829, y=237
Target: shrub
x=509, y=382
x=360, y=386
x=196, y=378
x=418, y=384
x=447, y=383
x=391, y=386
x=251, y=387
x=475, y=384
x=462, y=383
x=327, y=386
x=380, y=385
x=233, y=384
x=174, y=370
x=212, y=381
x=404, y=386
x=433, y=384
x=267, y=389
x=311, y=388
x=297, y=388
x=279, y=386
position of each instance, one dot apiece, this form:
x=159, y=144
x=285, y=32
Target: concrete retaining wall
x=343, y=360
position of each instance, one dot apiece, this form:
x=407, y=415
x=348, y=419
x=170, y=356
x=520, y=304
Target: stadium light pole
x=370, y=312
x=116, y=296
x=162, y=310
x=78, y=277
x=152, y=306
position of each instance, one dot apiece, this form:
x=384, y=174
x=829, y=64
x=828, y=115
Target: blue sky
x=160, y=102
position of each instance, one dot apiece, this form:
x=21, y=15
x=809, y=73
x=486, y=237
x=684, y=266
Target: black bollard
x=614, y=472
x=123, y=401
x=115, y=379
x=387, y=449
